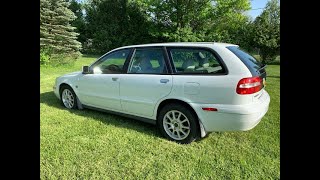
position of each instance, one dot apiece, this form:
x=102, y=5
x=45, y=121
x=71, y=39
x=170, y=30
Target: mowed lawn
x=88, y=144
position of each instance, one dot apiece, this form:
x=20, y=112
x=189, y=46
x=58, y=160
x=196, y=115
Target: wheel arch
x=172, y=100
x=63, y=84
x=187, y=105
x=79, y=104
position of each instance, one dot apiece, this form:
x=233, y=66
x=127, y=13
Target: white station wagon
x=187, y=89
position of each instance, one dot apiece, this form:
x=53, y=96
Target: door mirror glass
x=85, y=70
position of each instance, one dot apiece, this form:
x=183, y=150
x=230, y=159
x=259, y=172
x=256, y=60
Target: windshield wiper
x=263, y=66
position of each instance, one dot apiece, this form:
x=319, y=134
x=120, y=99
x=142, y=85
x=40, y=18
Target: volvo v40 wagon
x=186, y=89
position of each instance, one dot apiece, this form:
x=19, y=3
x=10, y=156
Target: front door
x=101, y=88
x=145, y=83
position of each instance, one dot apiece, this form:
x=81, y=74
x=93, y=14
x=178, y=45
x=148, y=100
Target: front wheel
x=68, y=97
x=178, y=123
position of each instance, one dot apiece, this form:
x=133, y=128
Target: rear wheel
x=68, y=97
x=177, y=123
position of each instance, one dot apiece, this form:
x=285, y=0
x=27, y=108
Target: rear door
x=146, y=82
x=199, y=75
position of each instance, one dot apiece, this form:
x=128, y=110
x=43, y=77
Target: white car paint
x=141, y=94
x=99, y=90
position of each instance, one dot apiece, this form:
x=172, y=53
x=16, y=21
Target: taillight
x=249, y=85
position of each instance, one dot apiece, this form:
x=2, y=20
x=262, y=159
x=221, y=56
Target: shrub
x=64, y=58
x=44, y=57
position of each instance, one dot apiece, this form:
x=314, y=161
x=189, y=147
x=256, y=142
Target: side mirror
x=85, y=70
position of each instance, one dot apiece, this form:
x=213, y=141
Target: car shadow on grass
x=51, y=100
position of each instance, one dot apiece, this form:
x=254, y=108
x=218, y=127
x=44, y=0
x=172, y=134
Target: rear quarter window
x=254, y=66
x=195, y=61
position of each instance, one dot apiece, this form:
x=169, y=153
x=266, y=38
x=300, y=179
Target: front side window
x=195, y=61
x=112, y=63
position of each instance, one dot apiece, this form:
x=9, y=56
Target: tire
x=68, y=97
x=177, y=123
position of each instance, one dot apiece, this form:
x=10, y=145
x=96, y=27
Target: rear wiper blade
x=263, y=66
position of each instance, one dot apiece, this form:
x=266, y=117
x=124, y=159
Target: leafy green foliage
x=114, y=23
x=179, y=20
x=228, y=21
x=77, y=8
x=266, y=34
x=56, y=33
x=202, y=20
x=102, y=25
x=64, y=58
x=44, y=57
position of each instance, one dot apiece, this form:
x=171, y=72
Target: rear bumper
x=233, y=117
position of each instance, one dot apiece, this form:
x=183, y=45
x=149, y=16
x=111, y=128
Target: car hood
x=72, y=74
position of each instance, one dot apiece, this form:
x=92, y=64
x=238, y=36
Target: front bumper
x=233, y=117
x=56, y=91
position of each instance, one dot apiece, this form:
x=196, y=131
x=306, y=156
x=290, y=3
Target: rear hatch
x=255, y=67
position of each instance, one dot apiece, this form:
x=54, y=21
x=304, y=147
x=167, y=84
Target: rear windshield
x=252, y=64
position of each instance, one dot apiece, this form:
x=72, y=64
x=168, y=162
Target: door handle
x=164, y=80
x=114, y=79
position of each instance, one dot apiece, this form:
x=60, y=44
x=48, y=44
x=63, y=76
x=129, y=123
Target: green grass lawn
x=94, y=145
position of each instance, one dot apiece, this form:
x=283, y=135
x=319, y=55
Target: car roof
x=186, y=44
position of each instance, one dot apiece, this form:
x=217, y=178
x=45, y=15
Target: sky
x=255, y=7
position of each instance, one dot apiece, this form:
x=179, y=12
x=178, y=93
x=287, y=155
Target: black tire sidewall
x=74, y=95
x=194, y=130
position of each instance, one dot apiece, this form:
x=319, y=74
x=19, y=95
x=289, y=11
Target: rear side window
x=255, y=67
x=148, y=61
x=195, y=61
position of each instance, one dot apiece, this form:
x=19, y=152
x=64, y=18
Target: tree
x=115, y=23
x=56, y=33
x=266, y=34
x=228, y=21
x=177, y=20
x=197, y=20
x=79, y=23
